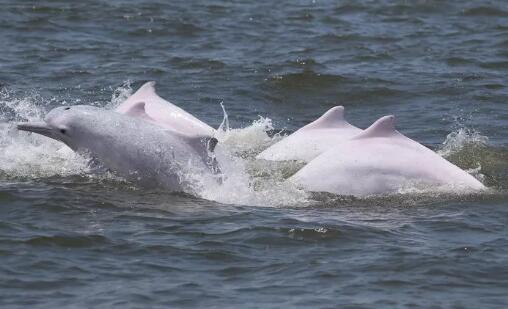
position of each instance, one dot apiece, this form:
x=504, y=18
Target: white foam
x=119, y=95
x=248, y=141
x=246, y=183
x=19, y=109
x=457, y=140
x=27, y=155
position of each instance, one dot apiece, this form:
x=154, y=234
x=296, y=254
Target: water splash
x=26, y=155
x=466, y=148
x=29, y=155
x=224, y=126
x=248, y=181
x=20, y=109
x=460, y=139
x=249, y=141
x=120, y=94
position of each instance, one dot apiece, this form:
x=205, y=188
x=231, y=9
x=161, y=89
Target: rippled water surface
x=70, y=237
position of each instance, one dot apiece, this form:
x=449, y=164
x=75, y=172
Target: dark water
x=69, y=238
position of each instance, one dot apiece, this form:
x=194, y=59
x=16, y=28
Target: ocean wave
x=485, y=11
x=305, y=79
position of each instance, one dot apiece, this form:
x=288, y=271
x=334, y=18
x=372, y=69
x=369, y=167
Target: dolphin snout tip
x=36, y=127
x=22, y=126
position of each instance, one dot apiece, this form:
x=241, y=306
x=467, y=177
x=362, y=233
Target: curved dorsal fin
x=334, y=117
x=148, y=88
x=137, y=110
x=145, y=93
x=383, y=127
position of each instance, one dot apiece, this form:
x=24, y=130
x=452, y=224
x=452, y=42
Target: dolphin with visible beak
x=136, y=148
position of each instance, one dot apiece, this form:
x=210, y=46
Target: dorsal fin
x=334, y=117
x=145, y=93
x=383, y=127
x=137, y=110
x=148, y=88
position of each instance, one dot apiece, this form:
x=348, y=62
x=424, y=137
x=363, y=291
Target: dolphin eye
x=63, y=131
x=67, y=108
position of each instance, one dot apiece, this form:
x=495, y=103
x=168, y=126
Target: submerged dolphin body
x=133, y=148
x=381, y=160
x=162, y=112
x=313, y=139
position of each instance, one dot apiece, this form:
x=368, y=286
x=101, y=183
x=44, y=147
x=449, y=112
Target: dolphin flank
x=381, y=160
x=130, y=146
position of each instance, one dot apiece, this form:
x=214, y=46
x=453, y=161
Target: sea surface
x=71, y=237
